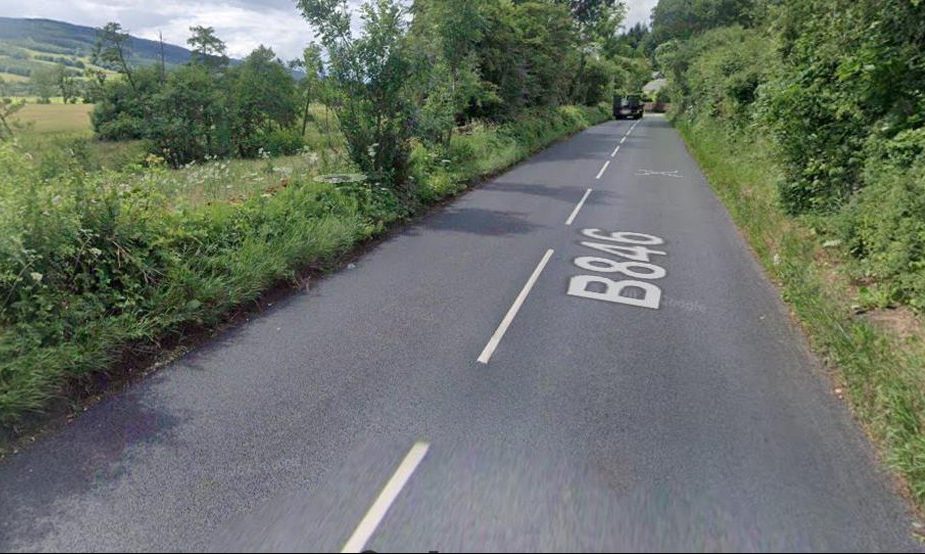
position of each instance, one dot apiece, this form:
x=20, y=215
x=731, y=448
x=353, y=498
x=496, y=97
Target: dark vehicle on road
x=626, y=107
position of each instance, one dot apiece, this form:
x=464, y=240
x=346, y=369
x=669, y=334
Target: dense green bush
x=839, y=86
x=718, y=74
x=89, y=264
x=282, y=141
x=597, y=82
x=852, y=69
x=122, y=110
x=884, y=227
x=198, y=112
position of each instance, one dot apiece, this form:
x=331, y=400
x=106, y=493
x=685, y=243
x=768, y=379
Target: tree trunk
x=163, y=60
x=308, y=101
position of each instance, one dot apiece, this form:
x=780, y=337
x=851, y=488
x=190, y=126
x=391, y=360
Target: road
x=476, y=383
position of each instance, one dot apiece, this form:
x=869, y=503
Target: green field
x=58, y=134
x=54, y=118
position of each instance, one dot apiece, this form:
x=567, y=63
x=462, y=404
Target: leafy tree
x=500, y=64
x=635, y=36
x=597, y=23
x=112, y=50
x=311, y=84
x=67, y=85
x=528, y=57
x=600, y=77
x=44, y=82
x=189, y=119
x=549, y=50
x=588, y=12
x=682, y=19
x=371, y=74
x=122, y=111
x=446, y=34
x=207, y=48
x=93, y=85
x=262, y=98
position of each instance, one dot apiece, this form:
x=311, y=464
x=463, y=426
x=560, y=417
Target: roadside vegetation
x=201, y=186
x=807, y=116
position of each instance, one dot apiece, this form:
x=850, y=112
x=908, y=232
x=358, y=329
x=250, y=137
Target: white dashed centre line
x=512, y=313
x=571, y=218
x=603, y=169
x=614, y=155
x=373, y=517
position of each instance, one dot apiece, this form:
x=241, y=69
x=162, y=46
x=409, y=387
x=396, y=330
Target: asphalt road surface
x=534, y=367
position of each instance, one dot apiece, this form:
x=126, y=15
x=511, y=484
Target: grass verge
x=881, y=372
x=96, y=266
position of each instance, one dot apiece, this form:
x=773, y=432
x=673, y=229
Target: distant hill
x=28, y=44
x=49, y=38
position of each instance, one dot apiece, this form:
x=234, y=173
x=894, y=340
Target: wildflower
x=37, y=277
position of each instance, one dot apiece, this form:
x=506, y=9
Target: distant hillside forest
x=33, y=47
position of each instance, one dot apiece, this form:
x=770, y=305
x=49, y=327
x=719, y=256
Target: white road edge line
x=373, y=517
x=512, y=313
x=617, y=149
x=603, y=169
x=572, y=217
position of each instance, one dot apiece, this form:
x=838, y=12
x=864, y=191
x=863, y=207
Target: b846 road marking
x=640, y=269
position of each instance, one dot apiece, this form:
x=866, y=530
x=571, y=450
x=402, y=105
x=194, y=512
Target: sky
x=242, y=24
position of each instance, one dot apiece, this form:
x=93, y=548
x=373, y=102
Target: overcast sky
x=242, y=24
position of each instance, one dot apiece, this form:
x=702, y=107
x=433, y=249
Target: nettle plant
x=371, y=76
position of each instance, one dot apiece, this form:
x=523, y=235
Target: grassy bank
x=877, y=356
x=98, y=265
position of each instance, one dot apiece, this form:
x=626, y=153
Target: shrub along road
x=487, y=379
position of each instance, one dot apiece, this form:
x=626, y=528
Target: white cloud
x=242, y=28
x=639, y=11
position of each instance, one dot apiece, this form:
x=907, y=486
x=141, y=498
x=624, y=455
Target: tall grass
x=882, y=372
x=94, y=265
